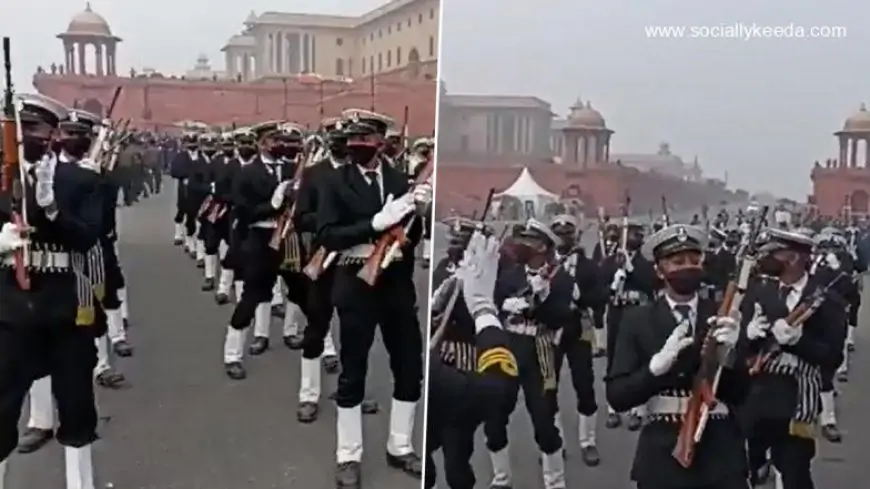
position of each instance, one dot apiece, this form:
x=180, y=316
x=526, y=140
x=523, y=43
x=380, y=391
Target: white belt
x=525, y=329
x=364, y=250
x=39, y=260
x=269, y=224
x=673, y=405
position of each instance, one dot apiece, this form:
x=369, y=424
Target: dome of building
x=88, y=23
x=859, y=121
x=585, y=116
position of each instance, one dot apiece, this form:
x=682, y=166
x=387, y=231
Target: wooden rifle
x=666, y=217
x=389, y=244
x=99, y=146
x=796, y=318
x=285, y=220
x=623, y=244
x=706, y=380
x=13, y=172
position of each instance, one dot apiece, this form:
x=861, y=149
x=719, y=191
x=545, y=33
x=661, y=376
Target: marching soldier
x=535, y=300
x=39, y=334
x=422, y=152
x=783, y=406
x=358, y=202
x=180, y=169
x=215, y=216
x=576, y=337
x=633, y=283
x=475, y=372
x=317, y=333
x=654, y=362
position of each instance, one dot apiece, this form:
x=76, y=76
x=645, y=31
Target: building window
x=398, y=27
x=380, y=62
x=432, y=13
x=389, y=30
x=339, y=67
x=363, y=66
x=339, y=41
x=349, y=66
x=431, y=46
x=389, y=59
x=380, y=34
x=420, y=18
x=372, y=65
x=398, y=56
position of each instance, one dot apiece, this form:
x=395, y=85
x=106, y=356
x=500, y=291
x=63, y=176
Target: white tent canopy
x=530, y=193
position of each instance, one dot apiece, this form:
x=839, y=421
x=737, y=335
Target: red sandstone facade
x=841, y=187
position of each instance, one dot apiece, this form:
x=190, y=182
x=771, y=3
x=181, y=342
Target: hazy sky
x=166, y=35
x=762, y=109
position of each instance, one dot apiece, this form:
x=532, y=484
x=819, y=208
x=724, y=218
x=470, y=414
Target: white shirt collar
x=267, y=159
x=693, y=303
x=378, y=170
x=194, y=155
x=244, y=162
x=799, y=286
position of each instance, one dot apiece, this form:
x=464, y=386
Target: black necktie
x=785, y=291
x=684, y=312
x=374, y=184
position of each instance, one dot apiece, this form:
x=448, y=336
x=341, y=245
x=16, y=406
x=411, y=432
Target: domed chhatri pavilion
x=88, y=28
x=841, y=187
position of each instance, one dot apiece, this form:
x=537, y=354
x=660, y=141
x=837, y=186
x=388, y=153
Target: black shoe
x=832, y=433
x=278, y=311
x=843, y=376
x=347, y=476
x=330, y=364
x=369, y=406
x=294, y=342
x=111, y=379
x=599, y=353
x=258, y=346
x=614, y=420
x=500, y=486
x=222, y=299
x=634, y=422
x=200, y=263
x=235, y=370
x=122, y=348
x=307, y=412
x=590, y=456
x=425, y=264
x=409, y=464
x=177, y=242
x=126, y=324
x=208, y=285
x=33, y=439
x=850, y=347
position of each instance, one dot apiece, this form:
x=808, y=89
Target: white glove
x=213, y=187
x=662, y=361
x=725, y=329
x=394, y=210
x=515, y=305
x=618, y=279
x=10, y=238
x=832, y=261
x=540, y=286
x=478, y=271
x=278, y=194
x=89, y=164
x=786, y=334
x=628, y=266
x=423, y=194
x=758, y=325
x=44, y=190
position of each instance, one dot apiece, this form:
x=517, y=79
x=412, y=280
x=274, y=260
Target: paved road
x=843, y=465
x=182, y=424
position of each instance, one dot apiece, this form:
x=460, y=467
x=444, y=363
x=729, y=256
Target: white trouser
x=402, y=414
x=211, y=265
x=226, y=281
x=234, y=345
x=200, y=249
x=262, y=320
x=125, y=307
x=103, y=363
x=277, y=293
x=79, y=467
x=115, y=324
x=41, y=405
x=502, y=475
x=349, y=437
x=179, y=232
x=309, y=385
x=553, y=470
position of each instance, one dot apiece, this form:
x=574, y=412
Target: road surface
x=841, y=465
x=182, y=424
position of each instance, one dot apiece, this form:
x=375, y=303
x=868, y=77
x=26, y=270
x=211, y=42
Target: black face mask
x=190, y=147
x=454, y=253
x=247, y=152
x=633, y=244
x=391, y=150
x=77, y=147
x=228, y=151
x=34, y=149
x=769, y=265
x=425, y=154
x=360, y=154
x=685, y=281
x=209, y=152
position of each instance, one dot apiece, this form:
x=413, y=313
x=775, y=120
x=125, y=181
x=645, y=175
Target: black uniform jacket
x=77, y=227
x=629, y=383
x=821, y=344
x=253, y=187
x=314, y=178
x=553, y=312
x=346, y=206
